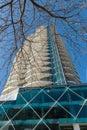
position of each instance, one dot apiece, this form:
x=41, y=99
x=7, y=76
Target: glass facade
x=45, y=108
x=57, y=69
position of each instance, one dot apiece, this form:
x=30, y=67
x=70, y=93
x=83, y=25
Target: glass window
x=26, y=114
x=74, y=97
x=83, y=127
x=66, y=128
x=54, y=93
x=56, y=112
x=83, y=112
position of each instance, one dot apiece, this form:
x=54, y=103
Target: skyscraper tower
x=43, y=60
x=43, y=91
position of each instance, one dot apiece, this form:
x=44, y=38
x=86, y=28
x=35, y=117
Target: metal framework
x=46, y=108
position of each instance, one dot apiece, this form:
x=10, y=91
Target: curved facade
x=43, y=60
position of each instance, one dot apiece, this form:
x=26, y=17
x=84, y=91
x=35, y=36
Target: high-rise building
x=42, y=61
x=43, y=91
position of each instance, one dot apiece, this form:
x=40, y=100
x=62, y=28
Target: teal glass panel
x=85, y=93
x=21, y=127
x=38, y=98
x=20, y=99
x=28, y=114
x=12, y=112
x=73, y=95
x=66, y=127
x=3, y=116
x=84, y=127
x=54, y=54
x=56, y=113
x=83, y=113
x=52, y=126
x=64, y=98
x=54, y=93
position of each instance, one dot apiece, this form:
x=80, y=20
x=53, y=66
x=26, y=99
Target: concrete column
x=76, y=127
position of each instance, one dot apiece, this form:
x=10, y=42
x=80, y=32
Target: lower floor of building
x=48, y=108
